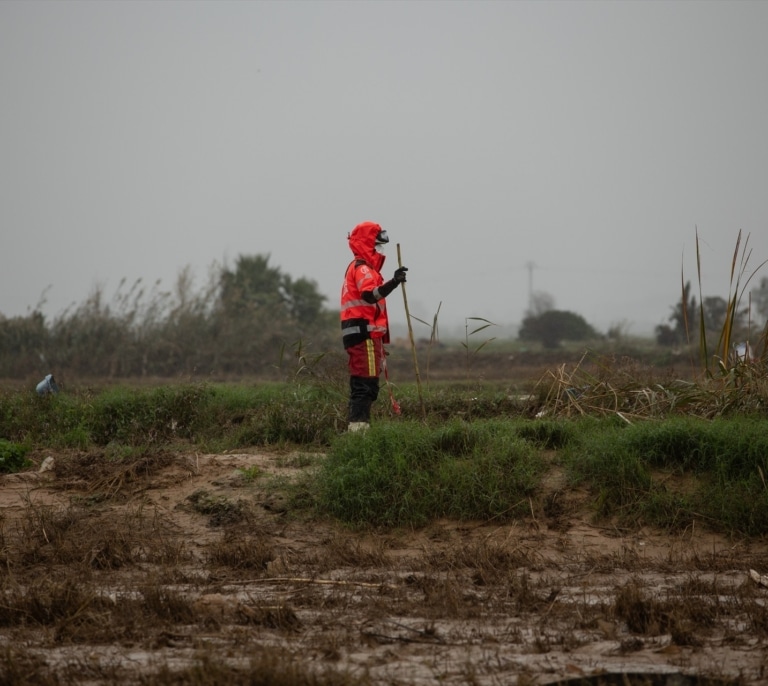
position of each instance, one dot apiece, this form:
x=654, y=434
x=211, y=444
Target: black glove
x=400, y=274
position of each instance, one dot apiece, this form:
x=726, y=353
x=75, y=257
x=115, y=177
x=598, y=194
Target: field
x=185, y=565
x=191, y=571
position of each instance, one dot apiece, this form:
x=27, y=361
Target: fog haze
x=573, y=148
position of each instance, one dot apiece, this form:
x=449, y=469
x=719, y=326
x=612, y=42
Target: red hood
x=362, y=242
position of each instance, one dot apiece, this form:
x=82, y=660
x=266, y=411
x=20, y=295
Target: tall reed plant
x=723, y=359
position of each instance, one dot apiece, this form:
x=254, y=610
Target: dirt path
x=224, y=572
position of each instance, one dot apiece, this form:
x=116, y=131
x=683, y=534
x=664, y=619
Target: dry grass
x=610, y=387
x=78, y=537
x=100, y=476
x=242, y=550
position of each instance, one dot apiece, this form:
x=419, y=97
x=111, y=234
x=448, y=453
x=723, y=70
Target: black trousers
x=363, y=390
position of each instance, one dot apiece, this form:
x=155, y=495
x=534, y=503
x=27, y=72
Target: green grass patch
x=468, y=401
x=216, y=417
x=671, y=473
x=479, y=455
x=250, y=474
x=12, y=457
x=408, y=474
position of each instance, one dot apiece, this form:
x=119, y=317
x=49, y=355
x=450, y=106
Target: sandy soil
x=546, y=599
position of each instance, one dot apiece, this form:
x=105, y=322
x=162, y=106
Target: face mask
x=381, y=248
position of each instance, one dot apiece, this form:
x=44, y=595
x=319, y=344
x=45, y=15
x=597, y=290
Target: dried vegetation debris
x=180, y=573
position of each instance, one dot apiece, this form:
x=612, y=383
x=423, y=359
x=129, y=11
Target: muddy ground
x=120, y=572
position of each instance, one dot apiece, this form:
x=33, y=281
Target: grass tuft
x=409, y=474
x=12, y=457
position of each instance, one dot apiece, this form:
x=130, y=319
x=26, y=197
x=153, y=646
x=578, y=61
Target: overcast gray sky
x=590, y=139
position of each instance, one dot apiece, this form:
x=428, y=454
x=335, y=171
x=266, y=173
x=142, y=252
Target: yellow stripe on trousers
x=371, y=356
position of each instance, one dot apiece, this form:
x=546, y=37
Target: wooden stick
x=413, y=344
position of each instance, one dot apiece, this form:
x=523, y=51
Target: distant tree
x=715, y=311
x=254, y=286
x=684, y=319
x=303, y=302
x=717, y=315
x=260, y=308
x=617, y=331
x=665, y=335
x=541, y=302
x=552, y=327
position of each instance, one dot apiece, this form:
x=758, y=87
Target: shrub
x=12, y=457
x=406, y=474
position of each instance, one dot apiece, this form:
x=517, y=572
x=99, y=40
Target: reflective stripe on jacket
x=361, y=320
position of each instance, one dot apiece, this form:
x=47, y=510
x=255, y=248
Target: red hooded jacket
x=360, y=319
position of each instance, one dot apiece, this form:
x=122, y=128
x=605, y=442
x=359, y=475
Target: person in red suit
x=364, y=321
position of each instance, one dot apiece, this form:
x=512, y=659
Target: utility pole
x=530, y=266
